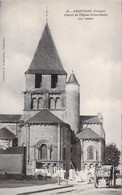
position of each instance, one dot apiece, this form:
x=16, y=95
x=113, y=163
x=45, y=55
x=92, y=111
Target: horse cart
x=103, y=173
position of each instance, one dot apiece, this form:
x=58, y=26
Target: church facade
x=51, y=128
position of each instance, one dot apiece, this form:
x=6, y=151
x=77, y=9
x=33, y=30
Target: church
x=51, y=130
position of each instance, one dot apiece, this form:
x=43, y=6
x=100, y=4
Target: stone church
x=51, y=128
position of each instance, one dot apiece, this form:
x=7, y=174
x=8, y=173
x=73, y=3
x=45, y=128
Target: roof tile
x=10, y=118
x=89, y=119
x=5, y=133
x=46, y=59
x=72, y=79
x=44, y=116
x=88, y=133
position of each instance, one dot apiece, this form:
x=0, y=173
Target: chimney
x=100, y=116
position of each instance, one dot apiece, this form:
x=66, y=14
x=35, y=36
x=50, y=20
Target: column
x=82, y=152
x=94, y=157
x=99, y=152
x=48, y=152
x=19, y=136
x=59, y=143
x=28, y=142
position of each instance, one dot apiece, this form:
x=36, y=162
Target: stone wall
x=98, y=146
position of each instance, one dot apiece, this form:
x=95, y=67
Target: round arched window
x=43, y=151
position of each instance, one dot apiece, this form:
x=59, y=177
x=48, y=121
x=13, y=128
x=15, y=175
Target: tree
x=112, y=155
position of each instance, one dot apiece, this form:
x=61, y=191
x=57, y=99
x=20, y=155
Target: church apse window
x=34, y=104
x=54, y=80
x=38, y=80
x=43, y=151
x=51, y=103
x=90, y=154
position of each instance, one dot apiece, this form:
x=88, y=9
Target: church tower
x=45, y=80
x=73, y=102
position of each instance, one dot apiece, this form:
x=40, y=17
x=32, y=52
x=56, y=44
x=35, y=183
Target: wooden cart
x=104, y=172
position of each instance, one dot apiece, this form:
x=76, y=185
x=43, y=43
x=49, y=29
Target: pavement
x=34, y=189
x=45, y=188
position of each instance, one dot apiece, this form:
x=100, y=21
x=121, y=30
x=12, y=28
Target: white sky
x=92, y=48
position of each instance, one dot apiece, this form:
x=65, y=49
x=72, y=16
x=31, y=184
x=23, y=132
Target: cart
x=104, y=172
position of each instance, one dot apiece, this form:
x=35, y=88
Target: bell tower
x=45, y=79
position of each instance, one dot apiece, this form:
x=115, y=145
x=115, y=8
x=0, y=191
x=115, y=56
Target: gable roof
x=11, y=118
x=46, y=59
x=89, y=119
x=72, y=79
x=44, y=116
x=88, y=133
x=6, y=134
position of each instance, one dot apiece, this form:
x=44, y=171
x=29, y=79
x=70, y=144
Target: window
x=90, y=154
x=58, y=103
x=40, y=103
x=34, y=103
x=54, y=80
x=51, y=103
x=43, y=151
x=38, y=80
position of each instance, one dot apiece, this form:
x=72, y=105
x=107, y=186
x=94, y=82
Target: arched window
x=43, y=151
x=58, y=103
x=40, y=103
x=51, y=103
x=34, y=103
x=90, y=154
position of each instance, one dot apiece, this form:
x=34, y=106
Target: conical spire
x=72, y=79
x=46, y=59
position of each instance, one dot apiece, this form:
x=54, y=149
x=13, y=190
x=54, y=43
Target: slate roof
x=44, y=116
x=89, y=119
x=46, y=59
x=72, y=79
x=88, y=133
x=6, y=134
x=10, y=118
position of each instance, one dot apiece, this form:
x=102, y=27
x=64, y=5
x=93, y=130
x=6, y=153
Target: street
x=85, y=189
x=73, y=188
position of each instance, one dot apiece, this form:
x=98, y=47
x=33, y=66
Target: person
x=59, y=175
x=67, y=176
x=89, y=175
x=62, y=173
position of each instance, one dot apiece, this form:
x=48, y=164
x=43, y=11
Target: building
x=51, y=128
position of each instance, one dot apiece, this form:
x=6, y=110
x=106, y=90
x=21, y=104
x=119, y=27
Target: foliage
x=112, y=155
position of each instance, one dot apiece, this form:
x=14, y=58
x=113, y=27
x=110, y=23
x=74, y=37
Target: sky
x=88, y=45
